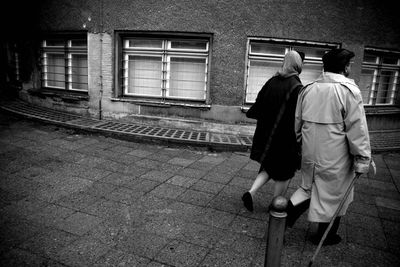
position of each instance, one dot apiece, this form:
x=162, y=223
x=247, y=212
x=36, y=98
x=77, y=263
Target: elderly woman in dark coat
x=274, y=142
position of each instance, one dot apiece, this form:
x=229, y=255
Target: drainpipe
x=101, y=60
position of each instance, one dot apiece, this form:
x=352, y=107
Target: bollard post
x=276, y=231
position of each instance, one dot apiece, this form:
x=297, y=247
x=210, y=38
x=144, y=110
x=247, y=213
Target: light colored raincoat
x=331, y=124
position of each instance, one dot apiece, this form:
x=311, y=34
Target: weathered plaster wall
x=355, y=24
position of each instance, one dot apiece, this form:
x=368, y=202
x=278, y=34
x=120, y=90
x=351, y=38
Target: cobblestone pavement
x=73, y=199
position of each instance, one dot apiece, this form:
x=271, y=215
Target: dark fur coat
x=283, y=155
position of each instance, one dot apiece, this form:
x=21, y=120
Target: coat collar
x=335, y=78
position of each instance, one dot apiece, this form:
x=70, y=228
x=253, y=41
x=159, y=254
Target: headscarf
x=292, y=65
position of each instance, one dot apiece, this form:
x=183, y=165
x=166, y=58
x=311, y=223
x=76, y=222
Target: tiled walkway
x=74, y=199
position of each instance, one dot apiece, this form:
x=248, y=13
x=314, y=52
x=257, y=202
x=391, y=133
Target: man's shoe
x=329, y=240
x=248, y=201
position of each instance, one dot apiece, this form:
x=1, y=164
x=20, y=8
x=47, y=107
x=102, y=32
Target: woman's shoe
x=248, y=201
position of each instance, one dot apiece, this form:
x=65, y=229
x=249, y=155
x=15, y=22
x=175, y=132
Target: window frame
x=377, y=67
x=288, y=44
x=166, y=52
x=68, y=50
x=126, y=77
x=168, y=73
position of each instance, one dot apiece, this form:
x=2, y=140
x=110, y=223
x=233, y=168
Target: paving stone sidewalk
x=73, y=199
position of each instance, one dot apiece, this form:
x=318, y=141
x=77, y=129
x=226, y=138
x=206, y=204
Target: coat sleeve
x=255, y=111
x=357, y=132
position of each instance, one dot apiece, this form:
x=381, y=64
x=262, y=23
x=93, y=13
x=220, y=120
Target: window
x=379, y=83
x=165, y=68
x=265, y=57
x=65, y=63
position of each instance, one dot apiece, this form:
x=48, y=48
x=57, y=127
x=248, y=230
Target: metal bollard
x=276, y=231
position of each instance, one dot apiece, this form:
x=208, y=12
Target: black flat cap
x=336, y=59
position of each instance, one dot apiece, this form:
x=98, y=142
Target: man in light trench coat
x=332, y=130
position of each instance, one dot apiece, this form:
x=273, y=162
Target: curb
x=381, y=142
x=130, y=131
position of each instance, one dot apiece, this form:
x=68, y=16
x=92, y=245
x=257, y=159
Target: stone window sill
x=67, y=96
x=160, y=103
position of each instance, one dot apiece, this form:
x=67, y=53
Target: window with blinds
x=65, y=63
x=265, y=57
x=165, y=68
x=379, y=83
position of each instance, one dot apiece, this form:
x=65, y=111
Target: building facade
x=195, y=64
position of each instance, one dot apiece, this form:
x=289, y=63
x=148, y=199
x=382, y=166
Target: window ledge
x=160, y=103
x=66, y=96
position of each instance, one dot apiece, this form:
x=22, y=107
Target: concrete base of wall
x=217, y=118
x=123, y=113
x=192, y=124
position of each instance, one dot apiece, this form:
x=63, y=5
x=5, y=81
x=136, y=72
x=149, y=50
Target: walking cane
x=333, y=219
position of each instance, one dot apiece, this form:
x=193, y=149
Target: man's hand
x=361, y=164
x=371, y=169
